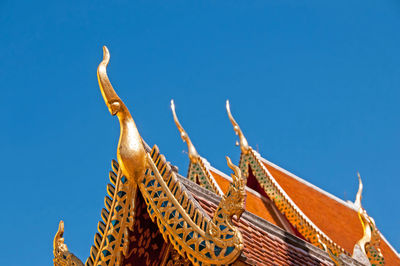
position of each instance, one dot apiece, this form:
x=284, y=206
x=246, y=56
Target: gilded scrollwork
x=183, y=222
x=111, y=241
x=178, y=215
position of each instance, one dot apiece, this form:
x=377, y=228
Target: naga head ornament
x=236, y=195
x=244, y=146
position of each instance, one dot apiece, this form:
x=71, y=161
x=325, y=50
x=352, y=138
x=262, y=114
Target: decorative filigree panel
x=111, y=241
x=182, y=220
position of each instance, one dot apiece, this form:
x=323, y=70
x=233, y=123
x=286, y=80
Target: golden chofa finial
x=130, y=153
x=193, y=155
x=60, y=250
x=357, y=202
x=244, y=146
x=370, y=241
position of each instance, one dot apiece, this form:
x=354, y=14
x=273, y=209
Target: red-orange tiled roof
x=334, y=218
x=263, y=248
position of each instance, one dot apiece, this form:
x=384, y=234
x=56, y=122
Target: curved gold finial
x=244, y=146
x=370, y=241
x=362, y=215
x=58, y=242
x=193, y=155
x=130, y=153
x=60, y=250
x=111, y=98
x=357, y=202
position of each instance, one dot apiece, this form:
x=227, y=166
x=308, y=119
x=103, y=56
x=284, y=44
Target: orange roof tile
x=334, y=217
x=331, y=215
x=262, y=247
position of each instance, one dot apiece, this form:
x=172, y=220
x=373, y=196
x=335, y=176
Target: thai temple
x=259, y=214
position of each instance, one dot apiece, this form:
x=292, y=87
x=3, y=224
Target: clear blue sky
x=314, y=86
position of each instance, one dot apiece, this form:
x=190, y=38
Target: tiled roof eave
x=265, y=225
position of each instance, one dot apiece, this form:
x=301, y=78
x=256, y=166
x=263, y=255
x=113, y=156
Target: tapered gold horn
x=130, y=152
x=244, y=146
x=193, y=155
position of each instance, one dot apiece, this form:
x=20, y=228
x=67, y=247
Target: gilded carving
x=178, y=216
x=250, y=158
x=370, y=241
x=62, y=257
x=199, y=167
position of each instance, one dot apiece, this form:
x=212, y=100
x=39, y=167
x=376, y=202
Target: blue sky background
x=314, y=86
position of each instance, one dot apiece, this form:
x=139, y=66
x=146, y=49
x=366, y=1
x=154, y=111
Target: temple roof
x=261, y=215
x=264, y=242
x=335, y=217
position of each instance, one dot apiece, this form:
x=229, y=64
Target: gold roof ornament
x=130, y=152
x=179, y=218
x=183, y=223
x=111, y=241
x=249, y=158
x=199, y=168
x=193, y=155
x=62, y=257
x=357, y=202
x=188, y=228
x=244, y=146
x=370, y=241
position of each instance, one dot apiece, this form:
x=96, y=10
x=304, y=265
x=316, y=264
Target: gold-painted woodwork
x=204, y=241
x=182, y=221
x=175, y=259
x=62, y=257
x=193, y=155
x=244, y=146
x=130, y=152
x=111, y=241
x=198, y=167
x=370, y=241
x=250, y=158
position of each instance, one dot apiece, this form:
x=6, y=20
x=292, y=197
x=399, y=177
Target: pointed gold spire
x=58, y=242
x=130, y=153
x=362, y=215
x=244, y=146
x=60, y=250
x=357, y=202
x=193, y=155
x=370, y=241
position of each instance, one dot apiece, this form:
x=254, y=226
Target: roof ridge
x=348, y=204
